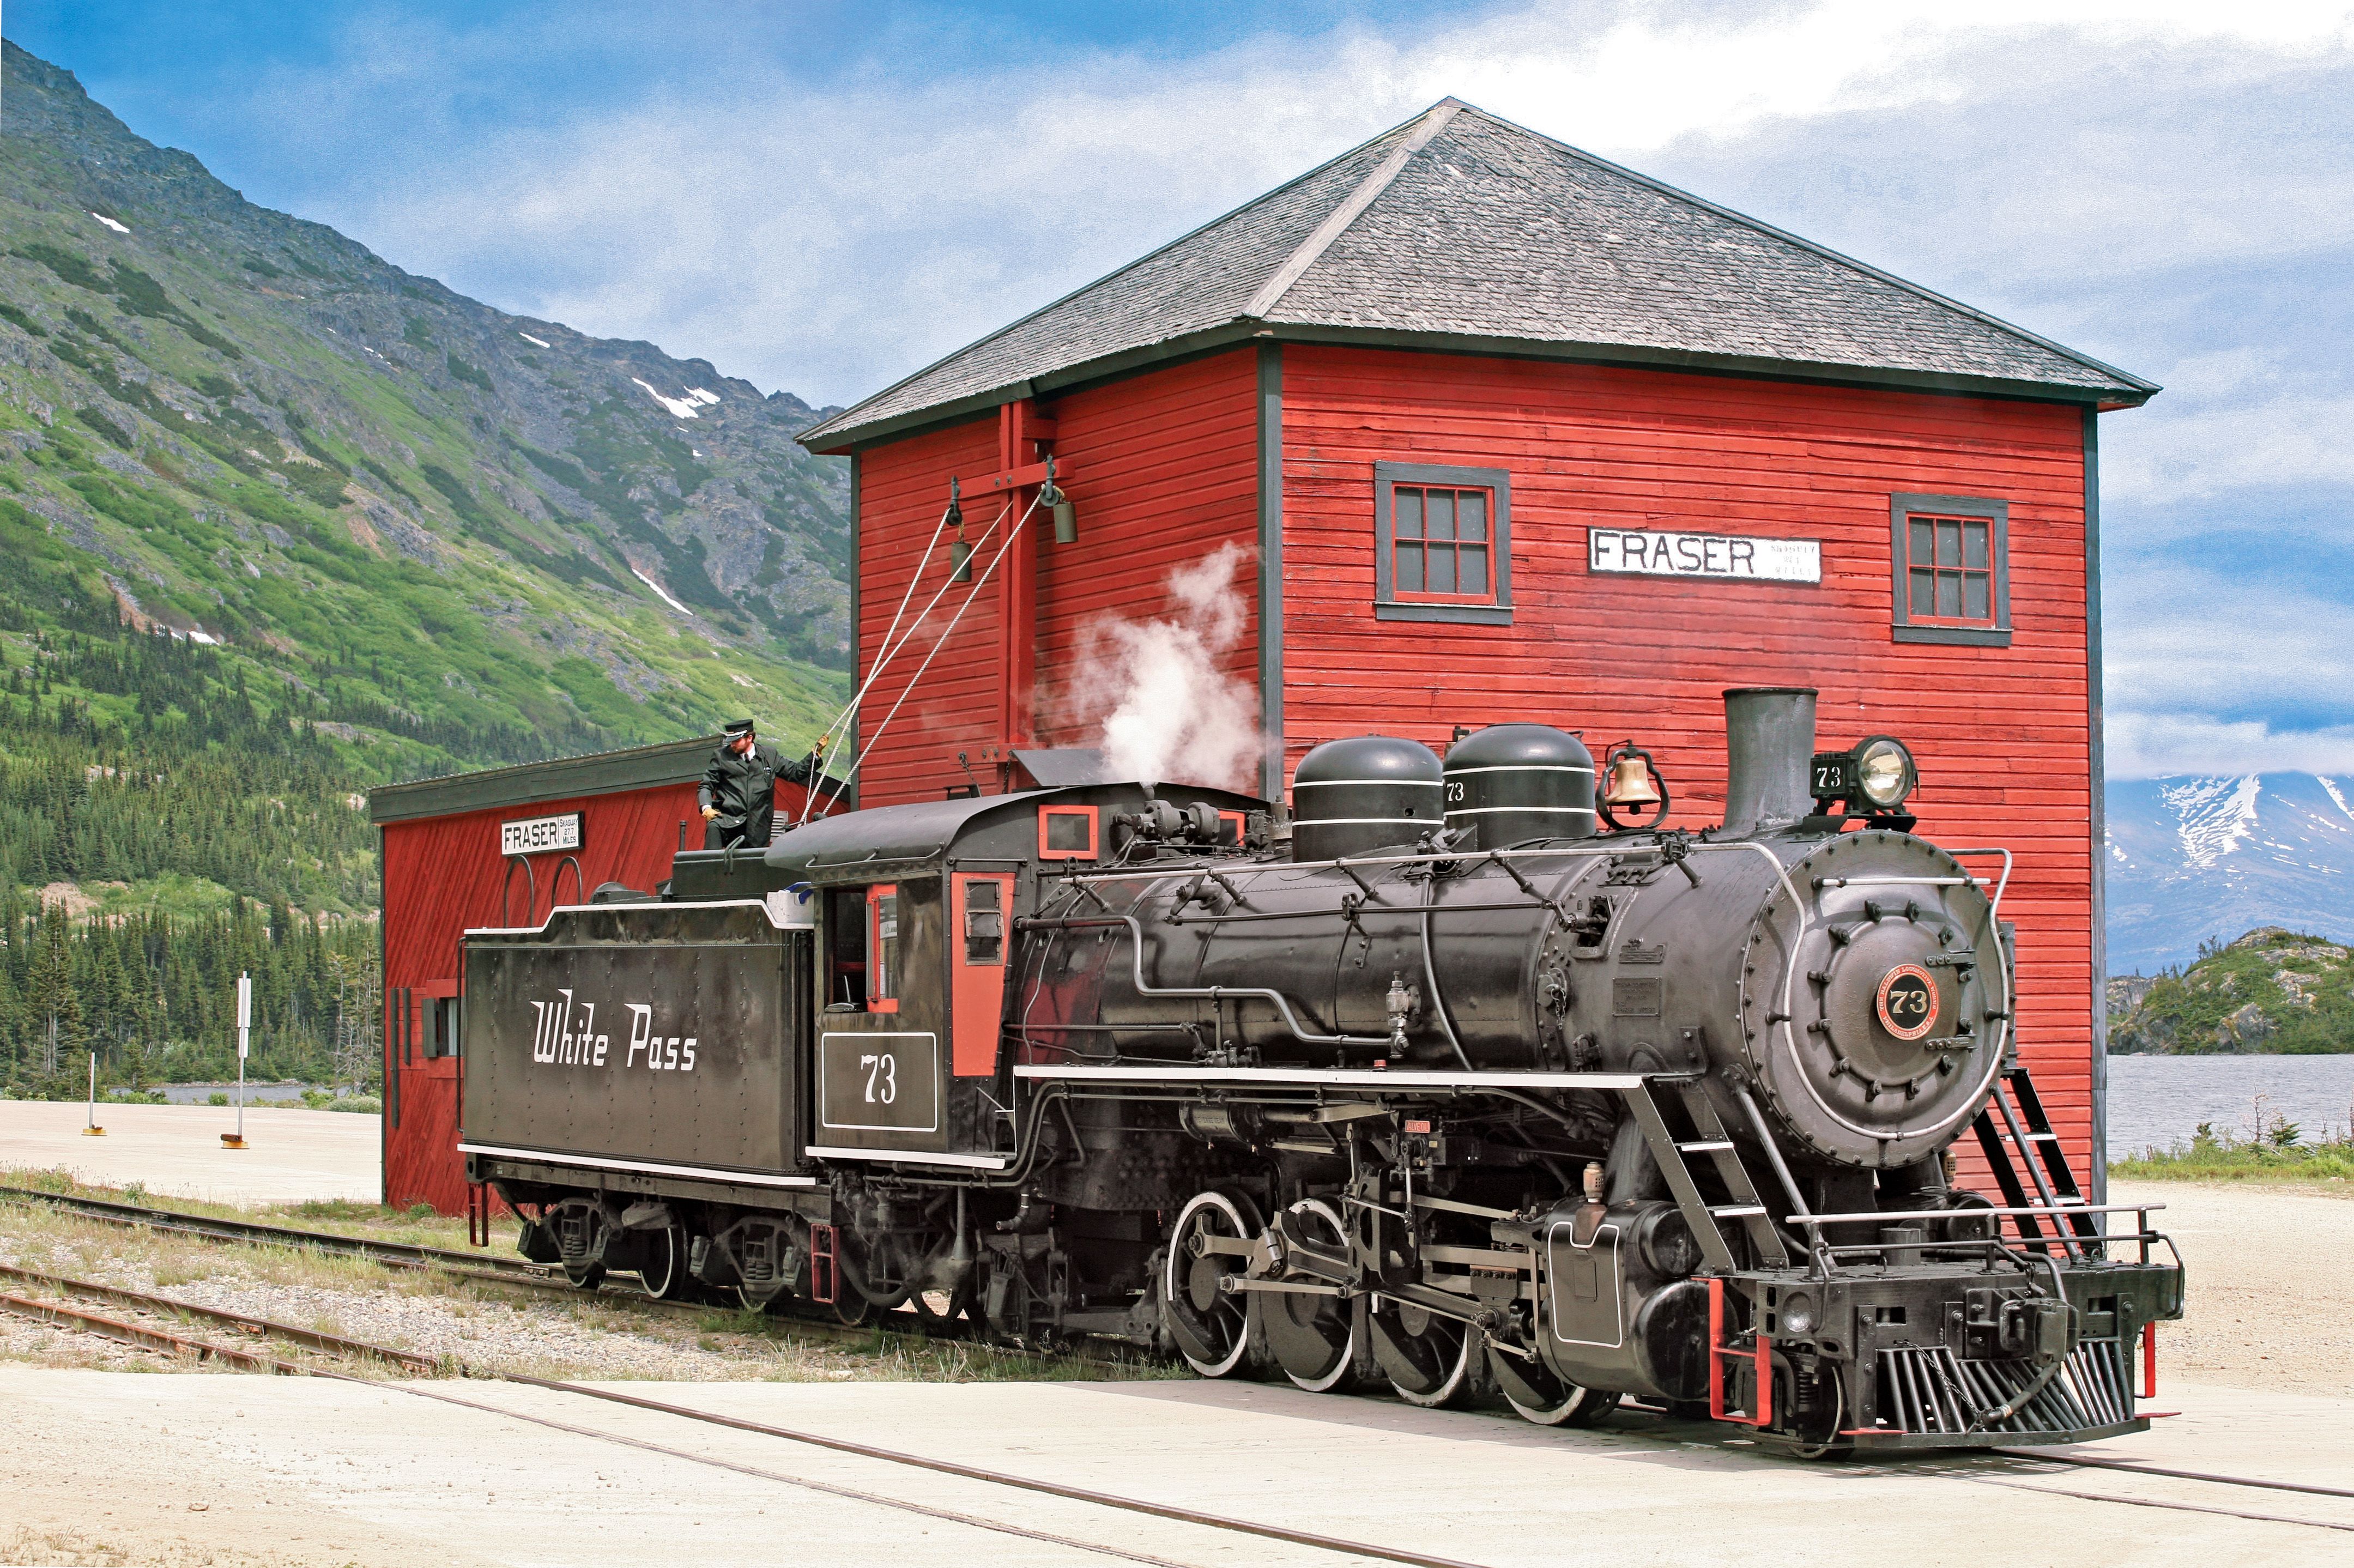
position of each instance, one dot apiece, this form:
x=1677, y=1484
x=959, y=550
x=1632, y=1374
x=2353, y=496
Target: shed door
x=979, y=941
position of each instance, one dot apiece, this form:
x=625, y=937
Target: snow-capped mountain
x=2193, y=858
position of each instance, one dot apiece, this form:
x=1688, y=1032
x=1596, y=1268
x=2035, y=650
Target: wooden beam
x=1017, y=590
x=1022, y=478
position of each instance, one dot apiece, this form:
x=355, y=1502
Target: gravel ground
x=485, y=1326
x=2270, y=1270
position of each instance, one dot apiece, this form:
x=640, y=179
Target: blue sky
x=822, y=196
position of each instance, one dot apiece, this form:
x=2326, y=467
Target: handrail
x=1972, y=1213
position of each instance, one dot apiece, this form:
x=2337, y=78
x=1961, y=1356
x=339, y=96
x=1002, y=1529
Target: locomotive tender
x=1451, y=1094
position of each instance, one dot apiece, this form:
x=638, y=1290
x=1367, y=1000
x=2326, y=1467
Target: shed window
x=1442, y=542
x=1952, y=570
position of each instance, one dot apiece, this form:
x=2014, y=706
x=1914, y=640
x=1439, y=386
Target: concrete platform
x=290, y=1155
x=299, y=1471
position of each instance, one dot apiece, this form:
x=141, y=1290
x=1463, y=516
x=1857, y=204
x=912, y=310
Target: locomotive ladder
x=2024, y=1144
x=1743, y=1205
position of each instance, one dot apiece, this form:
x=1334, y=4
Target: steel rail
x=503, y=1272
x=143, y=1337
x=146, y=1338
x=410, y=1253
x=310, y=1338
x=988, y=1477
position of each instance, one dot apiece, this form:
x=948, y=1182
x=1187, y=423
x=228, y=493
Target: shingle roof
x=1460, y=229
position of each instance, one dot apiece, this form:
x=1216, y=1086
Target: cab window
x=882, y=950
x=845, y=950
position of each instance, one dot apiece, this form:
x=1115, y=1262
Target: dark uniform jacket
x=745, y=790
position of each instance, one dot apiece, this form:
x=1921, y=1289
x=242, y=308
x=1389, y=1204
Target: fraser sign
x=1660, y=553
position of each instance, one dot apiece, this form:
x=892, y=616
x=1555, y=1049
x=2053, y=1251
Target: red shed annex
x=1503, y=431
x=502, y=848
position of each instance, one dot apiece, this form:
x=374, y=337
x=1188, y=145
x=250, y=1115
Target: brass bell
x=1630, y=781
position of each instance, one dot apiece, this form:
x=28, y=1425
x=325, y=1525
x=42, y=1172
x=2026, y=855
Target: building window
x=1951, y=565
x=1442, y=542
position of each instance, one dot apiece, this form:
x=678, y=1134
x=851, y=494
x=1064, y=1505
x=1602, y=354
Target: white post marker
x=90, y=1128
x=244, y=1040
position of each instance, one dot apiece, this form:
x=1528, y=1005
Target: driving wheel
x=1314, y=1332
x=1209, y=1244
x=1429, y=1359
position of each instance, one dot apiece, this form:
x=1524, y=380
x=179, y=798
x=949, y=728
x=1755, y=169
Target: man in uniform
x=738, y=796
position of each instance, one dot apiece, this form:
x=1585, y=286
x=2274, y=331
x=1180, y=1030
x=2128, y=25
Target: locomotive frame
x=1544, y=1121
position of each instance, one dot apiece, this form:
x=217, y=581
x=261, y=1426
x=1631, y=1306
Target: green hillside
x=430, y=533
x=281, y=521
x=2272, y=991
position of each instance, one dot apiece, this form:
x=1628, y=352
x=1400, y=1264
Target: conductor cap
x=739, y=726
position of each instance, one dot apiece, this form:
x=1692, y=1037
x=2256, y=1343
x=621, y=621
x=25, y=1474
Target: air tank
x=1511, y=783
x=1362, y=793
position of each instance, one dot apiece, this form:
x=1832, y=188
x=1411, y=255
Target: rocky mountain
x=436, y=533
x=2273, y=990
x=2196, y=860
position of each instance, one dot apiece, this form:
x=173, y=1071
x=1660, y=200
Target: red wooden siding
x=1167, y=467
x=443, y=876
x=2002, y=733
x=902, y=490
x=1162, y=470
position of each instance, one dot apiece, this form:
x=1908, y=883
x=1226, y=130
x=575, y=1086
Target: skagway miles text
x=557, y=1038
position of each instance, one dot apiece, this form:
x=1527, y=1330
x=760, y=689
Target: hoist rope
x=889, y=650
x=882, y=653
x=917, y=679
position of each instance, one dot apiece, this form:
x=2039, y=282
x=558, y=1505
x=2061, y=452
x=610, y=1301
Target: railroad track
x=517, y=1273
x=154, y=1339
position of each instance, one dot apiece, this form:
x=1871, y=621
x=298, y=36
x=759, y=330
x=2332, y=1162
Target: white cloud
x=2208, y=636
x=2165, y=745
x=830, y=233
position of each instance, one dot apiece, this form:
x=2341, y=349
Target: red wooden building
x=502, y=848
x=1504, y=432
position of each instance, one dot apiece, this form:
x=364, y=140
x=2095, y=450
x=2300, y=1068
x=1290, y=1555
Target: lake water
x=2156, y=1102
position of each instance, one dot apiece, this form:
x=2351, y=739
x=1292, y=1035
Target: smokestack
x=1769, y=741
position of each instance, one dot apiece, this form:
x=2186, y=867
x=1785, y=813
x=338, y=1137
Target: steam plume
x=1168, y=711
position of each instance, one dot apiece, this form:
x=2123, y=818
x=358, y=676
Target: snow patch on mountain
x=657, y=587
x=2194, y=859
x=2212, y=815
x=680, y=408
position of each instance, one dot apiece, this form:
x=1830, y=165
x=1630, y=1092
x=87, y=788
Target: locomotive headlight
x=1873, y=777
x=1885, y=774
x=1798, y=1314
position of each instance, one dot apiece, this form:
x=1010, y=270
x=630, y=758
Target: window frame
x=883, y=967
x=1047, y=815
x=1491, y=610
x=1902, y=509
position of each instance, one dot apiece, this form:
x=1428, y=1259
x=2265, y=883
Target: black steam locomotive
x=1442, y=1085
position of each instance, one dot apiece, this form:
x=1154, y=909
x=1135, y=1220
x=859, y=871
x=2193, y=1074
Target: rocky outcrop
x=2273, y=990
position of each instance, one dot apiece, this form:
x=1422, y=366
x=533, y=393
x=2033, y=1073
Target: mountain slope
x=448, y=534
x=2200, y=858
